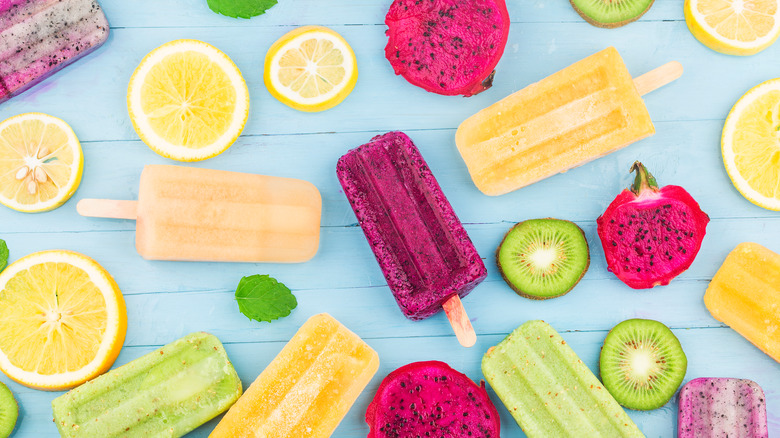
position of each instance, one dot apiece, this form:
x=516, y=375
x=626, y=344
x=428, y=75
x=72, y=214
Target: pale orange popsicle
x=745, y=294
x=307, y=389
x=576, y=115
x=186, y=213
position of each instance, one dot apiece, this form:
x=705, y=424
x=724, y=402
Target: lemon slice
x=188, y=101
x=62, y=320
x=40, y=162
x=751, y=145
x=311, y=68
x=734, y=27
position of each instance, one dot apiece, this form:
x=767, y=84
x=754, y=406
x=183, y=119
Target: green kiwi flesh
x=543, y=258
x=611, y=13
x=9, y=411
x=642, y=364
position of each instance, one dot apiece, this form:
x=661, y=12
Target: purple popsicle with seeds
x=40, y=37
x=426, y=256
x=722, y=407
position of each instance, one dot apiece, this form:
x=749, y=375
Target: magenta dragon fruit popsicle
x=712, y=407
x=424, y=252
x=40, y=37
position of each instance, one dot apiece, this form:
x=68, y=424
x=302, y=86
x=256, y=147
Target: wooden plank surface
x=167, y=300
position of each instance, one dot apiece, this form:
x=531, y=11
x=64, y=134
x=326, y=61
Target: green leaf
x=3, y=254
x=241, y=8
x=262, y=298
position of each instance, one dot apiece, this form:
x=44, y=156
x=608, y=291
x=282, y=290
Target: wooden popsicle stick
x=108, y=208
x=657, y=78
x=460, y=322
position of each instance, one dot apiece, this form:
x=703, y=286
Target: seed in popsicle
x=642, y=364
x=611, y=13
x=543, y=258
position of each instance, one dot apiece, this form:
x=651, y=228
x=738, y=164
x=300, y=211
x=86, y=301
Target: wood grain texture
x=166, y=300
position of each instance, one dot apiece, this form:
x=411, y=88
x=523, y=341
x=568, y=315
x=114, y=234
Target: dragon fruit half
x=447, y=46
x=430, y=399
x=651, y=235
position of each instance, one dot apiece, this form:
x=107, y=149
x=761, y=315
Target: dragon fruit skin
x=651, y=235
x=713, y=407
x=40, y=37
x=430, y=399
x=447, y=47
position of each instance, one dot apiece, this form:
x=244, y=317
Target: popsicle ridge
x=421, y=246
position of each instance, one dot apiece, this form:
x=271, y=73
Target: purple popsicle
x=713, y=407
x=421, y=246
x=40, y=37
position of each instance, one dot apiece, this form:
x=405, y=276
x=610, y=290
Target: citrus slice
x=40, y=162
x=187, y=100
x=62, y=320
x=311, y=68
x=734, y=27
x=751, y=145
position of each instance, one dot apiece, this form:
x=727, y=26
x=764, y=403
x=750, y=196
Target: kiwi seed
x=642, y=364
x=9, y=411
x=543, y=258
x=611, y=13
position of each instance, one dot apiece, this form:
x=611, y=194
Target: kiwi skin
x=609, y=25
x=536, y=297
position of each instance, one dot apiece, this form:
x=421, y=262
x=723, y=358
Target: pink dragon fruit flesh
x=430, y=399
x=651, y=235
x=447, y=47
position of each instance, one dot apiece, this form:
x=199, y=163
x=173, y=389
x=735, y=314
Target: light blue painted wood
x=168, y=300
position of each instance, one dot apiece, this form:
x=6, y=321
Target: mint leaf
x=262, y=298
x=241, y=8
x=3, y=254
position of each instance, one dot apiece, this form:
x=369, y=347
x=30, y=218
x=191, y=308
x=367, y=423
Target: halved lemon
x=734, y=27
x=311, y=68
x=62, y=320
x=41, y=162
x=751, y=145
x=188, y=100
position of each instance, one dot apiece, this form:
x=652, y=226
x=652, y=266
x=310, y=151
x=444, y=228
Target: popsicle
x=187, y=213
x=40, y=37
x=167, y=392
x=307, y=389
x=583, y=112
x=425, y=254
x=745, y=294
x=722, y=407
x=549, y=391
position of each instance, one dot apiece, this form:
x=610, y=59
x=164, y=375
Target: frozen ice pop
x=722, y=407
x=583, y=112
x=745, y=294
x=186, y=213
x=549, y=391
x=307, y=389
x=421, y=246
x=167, y=392
x=40, y=37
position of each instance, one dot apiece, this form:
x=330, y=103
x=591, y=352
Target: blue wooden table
x=166, y=300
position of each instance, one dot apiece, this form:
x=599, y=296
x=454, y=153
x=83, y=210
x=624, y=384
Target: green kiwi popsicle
x=548, y=390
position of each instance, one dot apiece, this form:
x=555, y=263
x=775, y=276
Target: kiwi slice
x=611, y=13
x=642, y=364
x=543, y=258
x=9, y=411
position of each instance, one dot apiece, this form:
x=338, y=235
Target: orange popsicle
x=745, y=294
x=187, y=213
x=583, y=112
x=307, y=389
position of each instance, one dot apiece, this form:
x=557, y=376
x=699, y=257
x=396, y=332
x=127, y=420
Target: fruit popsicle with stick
x=715, y=407
x=39, y=38
x=193, y=214
x=424, y=252
x=583, y=112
